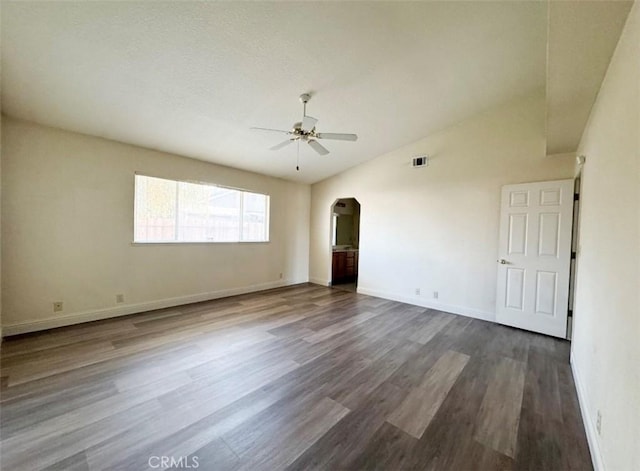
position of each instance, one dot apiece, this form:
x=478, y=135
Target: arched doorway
x=345, y=243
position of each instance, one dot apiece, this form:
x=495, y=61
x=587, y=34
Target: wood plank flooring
x=298, y=378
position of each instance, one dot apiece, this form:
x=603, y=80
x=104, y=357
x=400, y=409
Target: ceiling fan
x=305, y=131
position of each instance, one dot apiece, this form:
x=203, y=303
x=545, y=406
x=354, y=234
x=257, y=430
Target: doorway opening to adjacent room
x=345, y=243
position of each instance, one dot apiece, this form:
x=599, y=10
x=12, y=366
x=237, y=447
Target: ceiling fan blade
x=308, y=123
x=318, y=147
x=337, y=136
x=282, y=144
x=271, y=130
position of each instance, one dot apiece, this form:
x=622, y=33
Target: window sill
x=241, y=242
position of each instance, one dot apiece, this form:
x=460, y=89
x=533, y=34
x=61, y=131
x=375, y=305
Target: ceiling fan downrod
x=304, y=98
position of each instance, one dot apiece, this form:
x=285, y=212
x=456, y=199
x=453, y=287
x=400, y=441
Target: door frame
x=332, y=231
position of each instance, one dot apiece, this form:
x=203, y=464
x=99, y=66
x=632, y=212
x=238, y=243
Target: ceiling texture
x=192, y=78
x=582, y=38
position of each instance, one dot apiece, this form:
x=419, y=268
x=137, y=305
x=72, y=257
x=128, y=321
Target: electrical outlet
x=119, y=298
x=435, y=295
x=57, y=306
x=418, y=291
x=599, y=422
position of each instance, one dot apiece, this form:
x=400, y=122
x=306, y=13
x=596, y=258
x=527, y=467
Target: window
x=174, y=211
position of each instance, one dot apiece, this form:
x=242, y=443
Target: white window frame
x=240, y=240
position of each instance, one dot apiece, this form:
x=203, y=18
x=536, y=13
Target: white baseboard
x=592, y=435
x=106, y=313
x=422, y=302
x=318, y=281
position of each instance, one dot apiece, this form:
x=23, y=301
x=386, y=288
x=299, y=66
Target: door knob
x=502, y=261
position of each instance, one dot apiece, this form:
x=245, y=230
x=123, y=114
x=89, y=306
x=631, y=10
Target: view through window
x=176, y=211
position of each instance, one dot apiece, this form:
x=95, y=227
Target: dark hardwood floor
x=297, y=378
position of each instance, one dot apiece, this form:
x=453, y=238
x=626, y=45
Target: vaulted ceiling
x=192, y=78
x=582, y=38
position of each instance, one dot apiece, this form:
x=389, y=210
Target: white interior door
x=535, y=256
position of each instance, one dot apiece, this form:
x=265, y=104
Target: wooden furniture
x=344, y=266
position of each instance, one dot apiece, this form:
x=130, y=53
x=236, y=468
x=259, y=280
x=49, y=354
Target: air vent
x=421, y=161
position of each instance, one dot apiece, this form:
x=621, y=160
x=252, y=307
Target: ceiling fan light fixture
x=306, y=130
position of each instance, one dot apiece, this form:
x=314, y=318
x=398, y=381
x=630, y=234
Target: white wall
x=606, y=338
x=436, y=228
x=67, y=228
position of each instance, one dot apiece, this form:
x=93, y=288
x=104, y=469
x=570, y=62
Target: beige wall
x=67, y=228
x=606, y=338
x=1, y=143
x=1, y=331
x=436, y=228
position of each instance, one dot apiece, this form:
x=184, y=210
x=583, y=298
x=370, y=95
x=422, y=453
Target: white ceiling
x=582, y=38
x=191, y=78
